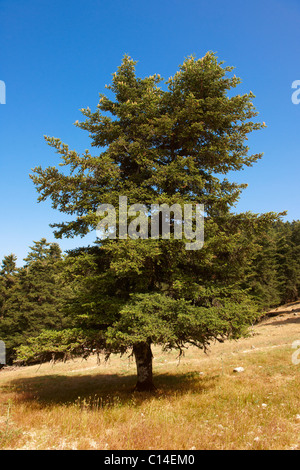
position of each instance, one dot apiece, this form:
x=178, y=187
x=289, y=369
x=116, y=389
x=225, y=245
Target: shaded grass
x=63, y=389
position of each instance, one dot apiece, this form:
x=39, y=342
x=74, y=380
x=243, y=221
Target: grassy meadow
x=200, y=403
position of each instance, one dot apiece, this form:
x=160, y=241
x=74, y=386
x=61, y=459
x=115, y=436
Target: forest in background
x=50, y=293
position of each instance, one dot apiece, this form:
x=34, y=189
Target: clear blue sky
x=56, y=56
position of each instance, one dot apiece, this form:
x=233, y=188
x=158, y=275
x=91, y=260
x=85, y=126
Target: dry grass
x=200, y=402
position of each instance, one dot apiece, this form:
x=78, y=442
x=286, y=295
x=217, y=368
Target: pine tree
x=33, y=296
x=160, y=144
x=8, y=266
x=8, y=280
x=262, y=276
x=288, y=259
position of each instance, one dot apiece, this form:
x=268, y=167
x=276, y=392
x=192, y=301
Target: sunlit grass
x=200, y=403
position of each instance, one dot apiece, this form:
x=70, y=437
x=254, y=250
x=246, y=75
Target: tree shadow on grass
x=279, y=313
x=286, y=321
x=102, y=390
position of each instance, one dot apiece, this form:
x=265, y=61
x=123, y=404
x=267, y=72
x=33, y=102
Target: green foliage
x=52, y=345
x=175, y=323
x=288, y=260
x=173, y=143
x=273, y=276
x=159, y=146
x=32, y=296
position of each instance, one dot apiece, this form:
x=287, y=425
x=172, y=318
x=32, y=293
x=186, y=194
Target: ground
x=200, y=403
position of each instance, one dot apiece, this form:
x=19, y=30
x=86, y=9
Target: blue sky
x=57, y=56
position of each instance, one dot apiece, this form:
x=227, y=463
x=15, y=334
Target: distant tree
x=8, y=271
x=33, y=296
x=262, y=275
x=159, y=145
x=288, y=259
x=8, y=266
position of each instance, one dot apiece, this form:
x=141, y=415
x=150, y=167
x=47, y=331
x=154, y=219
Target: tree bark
x=143, y=357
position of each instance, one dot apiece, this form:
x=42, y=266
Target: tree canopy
x=157, y=142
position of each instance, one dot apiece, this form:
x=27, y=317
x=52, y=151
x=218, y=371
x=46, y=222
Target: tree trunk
x=143, y=357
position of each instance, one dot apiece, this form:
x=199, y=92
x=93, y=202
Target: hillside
x=201, y=403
